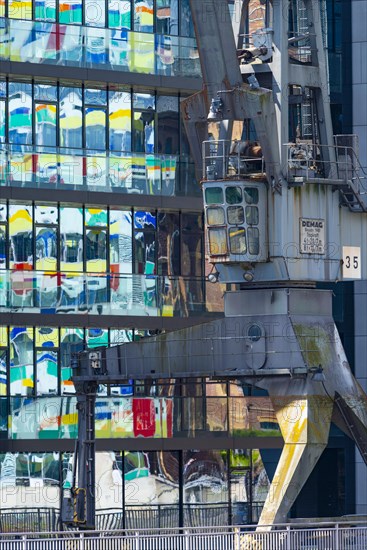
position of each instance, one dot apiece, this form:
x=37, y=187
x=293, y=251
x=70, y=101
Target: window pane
x=47, y=375
x=47, y=337
x=2, y=121
x=233, y=195
x=95, y=13
x=71, y=239
x=21, y=361
x=167, y=17
x=145, y=220
x=251, y=195
x=96, y=337
x=21, y=237
x=20, y=9
x=186, y=22
x=145, y=252
x=70, y=11
x=71, y=342
x=95, y=96
x=20, y=113
x=214, y=195
x=45, y=10
x=71, y=117
x=191, y=255
x=46, y=248
x=143, y=15
x=144, y=101
x=218, y=241
x=3, y=212
x=252, y=215
x=120, y=121
x=95, y=128
x=45, y=92
x=3, y=371
x=96, y=252
x=192, y=222
x=143, y=137
x=168, y=125
x=168, y=244
x=237, y=240
x=235, y=215
x=2, y=246
x=215, y=216
x=119, y=14
x=253, y=240
x=46, y=214
x=46, y=124
x=210, y=503
x=95, y=217
x=120, y=243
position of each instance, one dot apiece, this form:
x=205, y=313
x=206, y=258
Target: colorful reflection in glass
x=46, y=119
x=47, y=376
x=71, y=11
x=120, y=121
x=71, y=233
x=21, y=361
x=140, y=51
x=3, y=371
x=20, y=114
x=71, y=342
x=71, y=117
x=21, y=238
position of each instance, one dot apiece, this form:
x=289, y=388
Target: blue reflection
x=144, y=220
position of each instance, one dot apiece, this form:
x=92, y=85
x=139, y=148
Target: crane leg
x=305, y=423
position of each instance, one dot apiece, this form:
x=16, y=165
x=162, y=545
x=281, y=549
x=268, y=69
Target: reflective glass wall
x=58, y=258
x=37, y=360
x=60, y=237
x=100, y=48
x=169, y=17
x=111, y=138
x=137, y=489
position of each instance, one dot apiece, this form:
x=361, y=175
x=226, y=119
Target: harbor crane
x=285, y=209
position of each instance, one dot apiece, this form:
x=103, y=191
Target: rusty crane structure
x=285, y=209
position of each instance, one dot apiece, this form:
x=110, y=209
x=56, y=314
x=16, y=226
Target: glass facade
x=171, y=17
x=139, y=488
x=37, y=410
x=58, y=258
x=100, y=48
x=61, y=237
x=111, y=138
x=64, y=143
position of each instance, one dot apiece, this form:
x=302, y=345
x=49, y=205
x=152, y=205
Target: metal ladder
x=350, y=193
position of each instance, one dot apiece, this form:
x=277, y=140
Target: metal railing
x=98, y=48
x=101, y=293
x=15, y=520
x=135, y=517
x=311, y=161
x=64, y=168
x=226, y=159
x=283, y=537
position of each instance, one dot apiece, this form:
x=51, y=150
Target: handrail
x=156, y=174
x=206, y=529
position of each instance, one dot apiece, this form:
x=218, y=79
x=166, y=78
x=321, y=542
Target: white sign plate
x=351, y=262
x=312, y=236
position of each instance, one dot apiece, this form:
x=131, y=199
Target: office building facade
x=101, y=242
